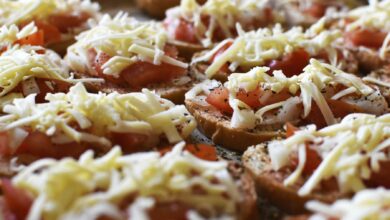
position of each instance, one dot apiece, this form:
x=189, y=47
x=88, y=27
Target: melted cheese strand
x=140, y=113
x=125, y=40
x=367, y=204
x=346, y=148
x=255, y=48
x=108, y=181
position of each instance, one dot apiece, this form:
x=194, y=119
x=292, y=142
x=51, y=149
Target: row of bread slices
x=247, y=109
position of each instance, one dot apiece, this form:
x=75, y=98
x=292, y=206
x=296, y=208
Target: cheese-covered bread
x=177, y=185
x=307, y=12
x=324, y=164
x=128, y=54
x=195, y=24
x=366, y=204
x=287, y=50
x=28, y=69
x=256, y=102
x=69, y=123
x=58, y=21
x=367, y=36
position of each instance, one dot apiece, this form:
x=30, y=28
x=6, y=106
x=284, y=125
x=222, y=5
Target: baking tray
x=266, y=210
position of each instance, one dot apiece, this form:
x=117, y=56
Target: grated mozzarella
x=125, y=40
x=100, y=185
x=255, y=48
x=346, y=150
x=367, y=204
x=141, y=113
x=307, y=87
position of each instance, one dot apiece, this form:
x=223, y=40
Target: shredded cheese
x=351, y=151
x=18, y=64
x=314, y=85
x=125, y=40
x=222, y=16
x=255, y=48
x=376, y=16
x=367, y=204
x=140, y=113
x=10, y=34
x=100, y=185
x=20, y=12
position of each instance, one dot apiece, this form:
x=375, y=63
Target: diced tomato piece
x=16, y=200
x=290, y=129
x=202, y=151
x=225, y=67
x=141, y=74
x=219, y=98
x=339, y=108
x=36, y=39
x=313, y=160
x=366, y=38
x=267, y=97
x=171, y=210
x=171, y=51
x=291, y=64
x=251, y=98
x=50, y=32
x=36, y=144
x=4, y=144
x=316, y=10
x=380, y=178
x=66, y=21
x=130, y=142
x=184, y=31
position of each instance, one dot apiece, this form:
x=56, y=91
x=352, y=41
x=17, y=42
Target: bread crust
x=216, y=126
x=170, y=91
x=187, y=50
x=269, y=184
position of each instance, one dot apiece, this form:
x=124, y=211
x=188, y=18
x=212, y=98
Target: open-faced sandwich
x=289, y=51
x=322, y=164
x=69, y=123
x=129, y=55
x=26, y=69
x=142, y=186
x=307, y=12
x=366, y=33
x=193, y=27
x=58, y=21
x=366, y=204
x=252, y=107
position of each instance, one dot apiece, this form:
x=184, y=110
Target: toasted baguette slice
x=217, y=127
x=236, y=198
x=173, y=92
x=269, y=183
